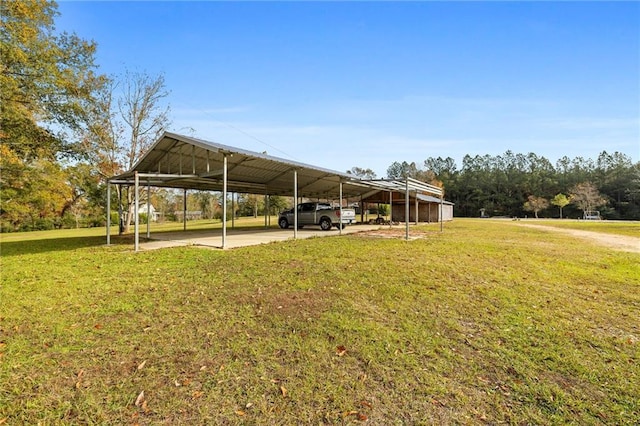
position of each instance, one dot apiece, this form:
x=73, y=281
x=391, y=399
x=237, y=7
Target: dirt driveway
x=616, y=242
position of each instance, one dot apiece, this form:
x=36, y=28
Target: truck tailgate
x=348, y=215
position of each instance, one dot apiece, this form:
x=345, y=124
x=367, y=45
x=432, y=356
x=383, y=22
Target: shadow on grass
x=17, y=248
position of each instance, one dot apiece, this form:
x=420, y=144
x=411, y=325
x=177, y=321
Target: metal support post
x=136, y=213
x=148, y=208
x=120, y=213
x=390, y=208
x=340, y=221
x=441, y=211
x=295, y=205
x=224, y=202
x=406, y=210
x=268, y=209
x=108, y=213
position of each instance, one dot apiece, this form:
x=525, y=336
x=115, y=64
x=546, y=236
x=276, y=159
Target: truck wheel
x=283, y=223
x=325, y=223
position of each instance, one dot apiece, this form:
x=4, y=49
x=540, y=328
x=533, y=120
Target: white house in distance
x=154, y=215
x=143, y=209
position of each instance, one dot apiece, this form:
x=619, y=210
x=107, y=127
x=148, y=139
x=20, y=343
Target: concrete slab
x=243, y=237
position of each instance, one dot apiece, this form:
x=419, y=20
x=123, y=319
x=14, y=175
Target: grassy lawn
x=483, y=323
x=628, y=228
x=243, y=223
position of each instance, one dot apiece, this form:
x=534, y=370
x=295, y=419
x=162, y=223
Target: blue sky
x=343, y=84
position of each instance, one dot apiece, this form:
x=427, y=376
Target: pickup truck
x=322, y=214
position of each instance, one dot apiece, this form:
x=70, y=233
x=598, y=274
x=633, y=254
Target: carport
x=184, y=162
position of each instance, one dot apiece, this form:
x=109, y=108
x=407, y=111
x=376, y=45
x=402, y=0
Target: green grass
x=483, y=323
x=628, y=228
x=203, y=224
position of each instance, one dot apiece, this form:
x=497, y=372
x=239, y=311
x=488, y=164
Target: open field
x=483, y=323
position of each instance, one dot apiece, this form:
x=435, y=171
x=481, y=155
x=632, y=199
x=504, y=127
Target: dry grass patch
x=415, y=232
x=305, y=305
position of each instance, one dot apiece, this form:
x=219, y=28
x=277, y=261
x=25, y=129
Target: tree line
x=517, y=185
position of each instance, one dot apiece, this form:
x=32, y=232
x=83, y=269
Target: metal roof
x=178, y=161
x=431, y=199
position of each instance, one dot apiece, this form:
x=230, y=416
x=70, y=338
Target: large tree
x=46, y=80
x=586, y=196
x=130, y=115
x=535, y=204
x=561, y=201
x=47, y=85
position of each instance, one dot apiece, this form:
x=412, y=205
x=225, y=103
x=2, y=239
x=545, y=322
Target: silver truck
x=314, y=213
